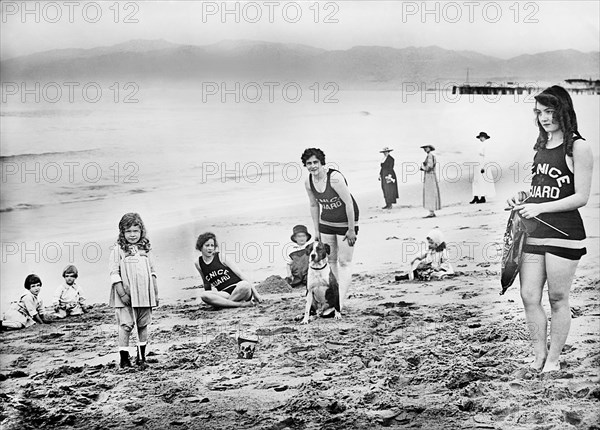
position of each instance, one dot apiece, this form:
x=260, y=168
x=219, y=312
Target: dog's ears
x=309, y=248
x=327, y=249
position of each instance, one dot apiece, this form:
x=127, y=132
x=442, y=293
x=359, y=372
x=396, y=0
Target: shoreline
x=258, y=239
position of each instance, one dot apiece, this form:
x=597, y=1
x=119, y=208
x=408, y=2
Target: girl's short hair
x=309, y=152
x=32, y=280
x=129, y=220
x=557, y=98
x=203, y=238
x=70, y=269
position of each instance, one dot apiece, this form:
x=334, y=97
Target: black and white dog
x=322, y=287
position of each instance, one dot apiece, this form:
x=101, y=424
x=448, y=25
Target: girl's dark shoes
x=140, y=360
x=481, y=200
x=125, y=360
x=475, y=200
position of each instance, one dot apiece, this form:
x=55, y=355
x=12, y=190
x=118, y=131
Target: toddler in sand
x=297, y=266
x=68, y=299
x=29, y=309
x=433, y=263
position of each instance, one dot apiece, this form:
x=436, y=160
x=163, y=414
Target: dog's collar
x=318, y=268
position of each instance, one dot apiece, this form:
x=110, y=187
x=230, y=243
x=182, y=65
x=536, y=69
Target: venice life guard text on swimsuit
x=221, y=274
x=547, y=191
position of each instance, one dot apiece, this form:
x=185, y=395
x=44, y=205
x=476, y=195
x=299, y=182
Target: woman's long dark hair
x=558, y=98
x=129, y=220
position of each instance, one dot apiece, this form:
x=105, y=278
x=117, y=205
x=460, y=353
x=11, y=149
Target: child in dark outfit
x=297, y=267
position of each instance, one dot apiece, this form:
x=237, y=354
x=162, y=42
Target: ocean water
x=70, y=171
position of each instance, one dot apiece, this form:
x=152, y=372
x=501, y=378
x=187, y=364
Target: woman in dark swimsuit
x=335, y=215
x=562, y=176
x=224, y=284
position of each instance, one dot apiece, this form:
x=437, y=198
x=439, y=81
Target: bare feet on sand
x=255, y=296
x=551, y=366
x=537, y=364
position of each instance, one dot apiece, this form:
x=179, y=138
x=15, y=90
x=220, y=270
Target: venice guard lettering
x=547, y=191
x=217, y=277
x=331, y=204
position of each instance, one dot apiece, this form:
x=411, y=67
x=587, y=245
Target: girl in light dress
x=134, y=289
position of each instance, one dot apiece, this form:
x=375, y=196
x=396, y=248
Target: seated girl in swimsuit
x=224, y=284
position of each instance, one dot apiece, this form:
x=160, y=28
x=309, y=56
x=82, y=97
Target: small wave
x=20, y=206
x=40, y=113
x=97, y=187
x=7, y=158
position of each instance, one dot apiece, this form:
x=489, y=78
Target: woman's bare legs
x=560, y=273
x=340, y=259
x=533, y=277
x=239, y=297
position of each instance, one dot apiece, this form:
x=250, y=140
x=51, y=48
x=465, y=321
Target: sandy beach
x=435, y=355
x=198, y=116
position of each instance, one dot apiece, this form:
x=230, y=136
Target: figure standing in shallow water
x=562, y=175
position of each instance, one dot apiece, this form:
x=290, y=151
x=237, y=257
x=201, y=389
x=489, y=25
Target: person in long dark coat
x=387, y=176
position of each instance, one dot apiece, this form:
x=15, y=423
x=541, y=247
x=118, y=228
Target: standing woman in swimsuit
x=562, y=176
x=335, y=214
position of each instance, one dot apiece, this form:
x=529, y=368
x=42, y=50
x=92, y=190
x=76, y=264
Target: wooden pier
x=494, y=89
x=575, y=86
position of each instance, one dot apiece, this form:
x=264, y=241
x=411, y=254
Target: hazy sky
x=503, y=28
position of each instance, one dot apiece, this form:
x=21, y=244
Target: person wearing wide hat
x=297, y=266
x=387, y=177
x=431, y=190
x=483, y=186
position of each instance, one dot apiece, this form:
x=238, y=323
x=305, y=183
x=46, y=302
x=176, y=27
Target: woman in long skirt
x=387, y=177
x=431, y=189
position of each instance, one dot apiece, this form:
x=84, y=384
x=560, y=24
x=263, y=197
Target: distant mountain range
x=358, y=67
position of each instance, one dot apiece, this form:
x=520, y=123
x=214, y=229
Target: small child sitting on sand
x=432, y=263
x=297, y=266
x=68, y=299
x=29, y=309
